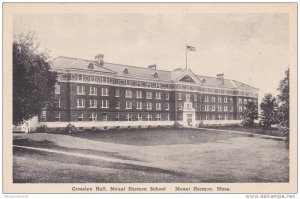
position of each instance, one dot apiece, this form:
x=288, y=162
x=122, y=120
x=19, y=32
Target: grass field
x=150, y=155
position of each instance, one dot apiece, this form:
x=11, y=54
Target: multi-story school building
x=97, y=93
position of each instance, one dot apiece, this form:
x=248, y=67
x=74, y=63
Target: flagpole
x=185, y=56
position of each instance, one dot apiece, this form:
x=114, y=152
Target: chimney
x=220, y=77
x=152, y=67
x=99, y=59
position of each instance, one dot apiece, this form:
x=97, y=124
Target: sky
x=250, y=48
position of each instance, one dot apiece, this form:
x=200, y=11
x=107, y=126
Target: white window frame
x=139, y=105
x=219, y=99
x=219, y=108
x=179, y=106
x=225, y=99
x=117, y=105
x=206, y=108
x=128, y=105
x=57, y=88
x=128, y=93
x=104, y=102
x=57, y=117
x=167, y=106
x=93, y=90
x=149, y=106
x=104, y=91
x=206, y=98
x=149, y=117
x=93, y=117
x=157, y=95
x=139, y=94
x=80, y=105
x=117, y=93
x=213, y=108
x=129, y=117
x=225, y=108
x=167, y=96
x=158, y=117
x=245, y=101
x=80, y=91
x=148, y=95
x=139, y=117
x=158, y=106
x=93, y=104
x=188, y=97
x=80, y=116
x=104, y=117
x=179, y=96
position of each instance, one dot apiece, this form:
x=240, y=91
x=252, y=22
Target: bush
x=42, y=129
x=70, y=128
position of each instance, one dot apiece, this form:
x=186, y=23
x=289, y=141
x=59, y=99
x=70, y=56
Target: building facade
x=103, y=93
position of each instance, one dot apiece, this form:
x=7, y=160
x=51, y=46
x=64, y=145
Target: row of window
x=100, y=79
x=129, y=104
x=104, y=117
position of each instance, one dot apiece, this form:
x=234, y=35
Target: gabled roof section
x=79, y=64
x=187, y=76
x=215, y=82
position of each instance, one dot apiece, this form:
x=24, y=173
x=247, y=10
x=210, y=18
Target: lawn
x=150, y=155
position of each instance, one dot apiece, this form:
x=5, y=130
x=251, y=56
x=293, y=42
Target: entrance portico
x=189, y=114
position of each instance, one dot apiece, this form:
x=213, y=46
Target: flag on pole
x=190, y=48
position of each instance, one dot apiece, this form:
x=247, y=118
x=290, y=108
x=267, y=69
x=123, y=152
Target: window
x=225, y=117
x=93, y=90
x=179, y=96
x=240, y=109
x=149, y=117
x=117, y=106
x=149, y=95
x=158, y=106
x=213, y=108
x=117, y=93
x=80, y=77
x=117, y=117
x=104, y=91
x=129, y=117
x=189, y=106
x=57, y=103
x=57, y=117
x=43, y=116
x=87, y=78
x=128, y=105
x=179, y=106
x=187, y=97
x=80, y=90
x=213, y=99
x=219, y=99
x=195, y=97
x=225, y=108
x=80, y=117
x=104, y=104
x=57, y=88
x=80, y=103
x=219, y=117
x=245, y=101
x=168, y=117
x=158, y=117
x=93, y=103
x=138, y=94
x=93, y=117
x=158, y=95
x=254, y=101
x=104, y=116
x=219, y=108
x=240, y=101
x=149, y=105
x=128, y=93
x=231, y=108
x=167, y=96
x=139, y=105
x=225, y=99
x=167, y=106
x=231, y=100
x=206, y=117
x=206, y=98
x=206, y=107
x=139, y=117
x=213, y=117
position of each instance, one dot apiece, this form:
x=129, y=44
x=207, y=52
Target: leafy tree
x=268, y=113
x=33, y=82
x=249, y=114
x=284, y=99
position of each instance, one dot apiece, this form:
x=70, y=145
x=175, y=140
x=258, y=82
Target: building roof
x=140, y=72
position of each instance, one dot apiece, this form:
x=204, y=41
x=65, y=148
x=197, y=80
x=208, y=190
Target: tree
x=33, y=82
x=249, y=114
x=268, y=115
x=284, y=99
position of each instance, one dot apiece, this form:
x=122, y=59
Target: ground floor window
x=149, y=117
x=129, y=117
x=80, y=117
x=104, y=116
x=139, y=117
x=158, y=117
x=57, y=117
x=117, y=117
x=93, y=117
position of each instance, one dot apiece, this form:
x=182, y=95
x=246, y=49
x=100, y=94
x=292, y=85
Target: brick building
x=105, y=93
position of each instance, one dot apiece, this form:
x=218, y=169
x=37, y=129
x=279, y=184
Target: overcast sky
x=251, y=48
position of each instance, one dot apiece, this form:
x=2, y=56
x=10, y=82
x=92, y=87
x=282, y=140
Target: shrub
x=42, y=129
x=70, y=128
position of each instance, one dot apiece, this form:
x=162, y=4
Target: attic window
x=90, y=66
x=125, y=71
x=155, y=74
x=203, y=81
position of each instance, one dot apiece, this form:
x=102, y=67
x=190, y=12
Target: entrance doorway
x=190, y=119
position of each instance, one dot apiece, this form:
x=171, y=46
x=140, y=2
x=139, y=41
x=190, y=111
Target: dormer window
x=155, y=74
x=90, y=66
x=125, y=71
